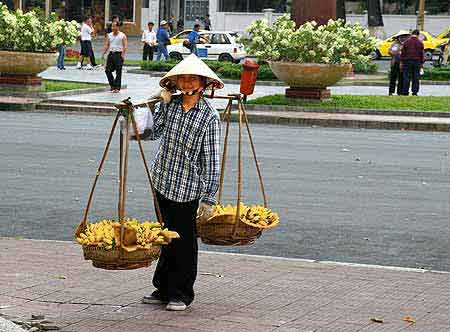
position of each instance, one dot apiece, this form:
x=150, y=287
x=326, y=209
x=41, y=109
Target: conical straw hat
x=192, y=65
x=402, y=33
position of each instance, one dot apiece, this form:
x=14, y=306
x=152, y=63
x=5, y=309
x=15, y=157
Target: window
x=219, y=38
x=28, y=5
x=205, y=38
x=251, y=5
x=123, y=8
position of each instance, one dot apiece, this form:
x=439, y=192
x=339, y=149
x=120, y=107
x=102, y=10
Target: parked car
x=429, y=43
x=212, y=45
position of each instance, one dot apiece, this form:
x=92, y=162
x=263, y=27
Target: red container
x=248, y=76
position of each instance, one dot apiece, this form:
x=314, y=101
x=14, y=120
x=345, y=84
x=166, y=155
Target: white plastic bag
x=144, y=121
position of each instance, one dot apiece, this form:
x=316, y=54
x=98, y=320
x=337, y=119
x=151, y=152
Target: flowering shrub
x=334, y=43
x=33, y=32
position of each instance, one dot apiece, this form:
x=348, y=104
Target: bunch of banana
x=261, y=216
x=100, y=234
x=256, y=215
x=107, y=234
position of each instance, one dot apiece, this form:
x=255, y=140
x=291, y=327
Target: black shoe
x=414, y=94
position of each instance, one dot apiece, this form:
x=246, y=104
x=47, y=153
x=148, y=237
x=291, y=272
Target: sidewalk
x=233, y=293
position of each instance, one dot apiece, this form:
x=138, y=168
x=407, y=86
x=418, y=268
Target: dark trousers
x=396, y=79
x=177, y=266
x=148, y=52
x=92, y=58
x=411, y=73
x=114, y=62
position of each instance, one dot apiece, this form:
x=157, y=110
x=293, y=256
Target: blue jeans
x=411, y=74
x=61, y=50
x=162, y=50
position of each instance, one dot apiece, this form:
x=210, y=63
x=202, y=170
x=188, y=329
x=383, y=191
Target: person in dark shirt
x=412, y=60
x=207, y=23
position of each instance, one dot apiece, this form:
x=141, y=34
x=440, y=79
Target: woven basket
x=117, y=260
x=220, y=231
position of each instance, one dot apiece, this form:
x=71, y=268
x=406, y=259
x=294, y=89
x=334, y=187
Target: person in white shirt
x=117, y=45
x=149, y=40
x=87, y=31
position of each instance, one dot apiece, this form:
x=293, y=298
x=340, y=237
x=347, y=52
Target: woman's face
x=189, y=83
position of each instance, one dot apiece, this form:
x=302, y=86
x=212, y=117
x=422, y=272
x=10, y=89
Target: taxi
x=429, y=43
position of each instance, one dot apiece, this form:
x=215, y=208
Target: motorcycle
x=440, y=57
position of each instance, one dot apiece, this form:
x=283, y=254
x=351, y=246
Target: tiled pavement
x=233, y=293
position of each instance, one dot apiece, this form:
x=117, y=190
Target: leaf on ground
x=377, y=319
x=409, y=319
x=62, y=277
x=211, y=274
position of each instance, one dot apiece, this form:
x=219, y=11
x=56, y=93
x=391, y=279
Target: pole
x=421, y=16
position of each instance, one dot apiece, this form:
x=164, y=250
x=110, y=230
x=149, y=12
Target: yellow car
x=181, y=36
x=429, y=43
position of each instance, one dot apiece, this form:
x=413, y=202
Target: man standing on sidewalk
x=193, y=39
x=412, y=60
x=149, y=40
x=163, y=38
x=86, y=43
x=117, y=45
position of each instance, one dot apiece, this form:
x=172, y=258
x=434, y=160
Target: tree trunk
x=340, y=9
x=375, y=19
x=321, y=11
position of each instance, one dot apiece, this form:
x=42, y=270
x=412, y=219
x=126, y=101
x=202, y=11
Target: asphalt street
x=365, y=196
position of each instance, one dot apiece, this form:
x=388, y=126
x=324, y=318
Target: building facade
x=224, y=14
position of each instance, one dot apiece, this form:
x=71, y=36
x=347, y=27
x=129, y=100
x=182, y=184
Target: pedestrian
x=185, y=175
x=412, y=60
x=163, y=39
x=61, y=48
x=207, y=23
x=87, y=32
x=117, y=45
x=115, y=18
x=193, y=38
x=180, y=25
x=149, y=41
x=396, y=75
x=171, y=24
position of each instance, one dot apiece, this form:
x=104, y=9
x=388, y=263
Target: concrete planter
x=25, y=63
x=308, y=75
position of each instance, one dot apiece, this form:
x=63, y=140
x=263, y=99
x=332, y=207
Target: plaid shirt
x=186, y=166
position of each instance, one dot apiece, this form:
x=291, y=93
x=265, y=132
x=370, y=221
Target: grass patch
x=54, y=86
x=400, y=103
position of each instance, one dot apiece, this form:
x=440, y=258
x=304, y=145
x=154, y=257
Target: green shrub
x=363, y=66
x=437, y=74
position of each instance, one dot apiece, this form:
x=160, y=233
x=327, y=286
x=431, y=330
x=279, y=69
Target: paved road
x=367, y=196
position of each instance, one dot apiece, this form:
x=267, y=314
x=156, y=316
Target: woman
x=185, y=174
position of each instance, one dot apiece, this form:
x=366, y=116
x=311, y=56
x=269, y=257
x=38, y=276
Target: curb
x=307, y=120
x=290, y=118
x=275, y=258
x=286, y=108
